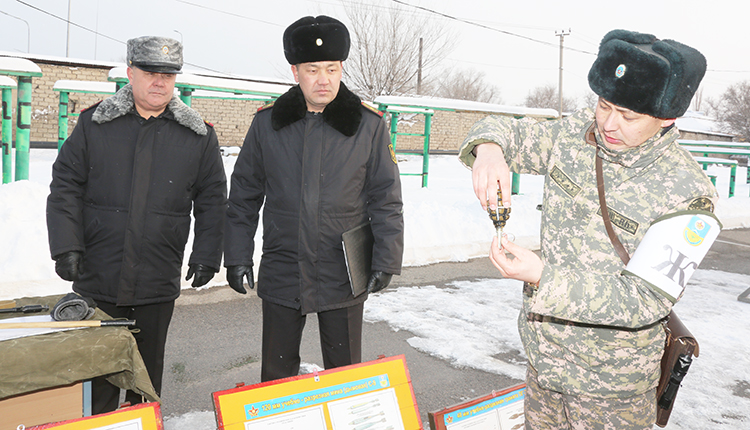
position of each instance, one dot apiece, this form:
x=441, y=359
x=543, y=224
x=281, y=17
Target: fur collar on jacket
x=122, y=103
x=343, y=113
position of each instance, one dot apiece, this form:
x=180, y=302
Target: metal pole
x=62, y=120
x=426, y=150
x=186, y=95
x=419, y=69
x=394, y=129
x=23, y=128
x=7, y=135
x=562, y=34
x=67, y=45
x=28, y=31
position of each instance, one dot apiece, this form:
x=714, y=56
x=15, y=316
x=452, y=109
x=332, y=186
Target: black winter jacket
x=122, y=191
x=318, y=175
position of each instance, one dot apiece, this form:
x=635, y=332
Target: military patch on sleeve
x=620, y=220
x=702, y=204
x=567, y=184
x=393, y=153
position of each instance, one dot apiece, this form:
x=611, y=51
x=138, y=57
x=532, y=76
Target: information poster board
x=376, y=395
x=502, y=410
x=143, y=416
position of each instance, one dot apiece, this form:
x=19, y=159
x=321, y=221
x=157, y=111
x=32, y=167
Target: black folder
x=357, y=244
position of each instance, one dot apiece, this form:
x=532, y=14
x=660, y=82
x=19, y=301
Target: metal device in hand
x=499, y=216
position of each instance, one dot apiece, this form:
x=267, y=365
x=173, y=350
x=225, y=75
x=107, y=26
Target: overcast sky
x=518, y=52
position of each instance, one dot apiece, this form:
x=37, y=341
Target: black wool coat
x=316, y=176
x=122, y=192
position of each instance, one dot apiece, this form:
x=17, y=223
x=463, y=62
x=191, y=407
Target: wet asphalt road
x=214, y=338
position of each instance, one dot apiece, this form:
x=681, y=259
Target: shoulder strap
x=605, y=213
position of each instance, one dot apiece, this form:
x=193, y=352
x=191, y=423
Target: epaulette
x=92, y=106
x=208, y=123
x=266, y=106
x=372, y=109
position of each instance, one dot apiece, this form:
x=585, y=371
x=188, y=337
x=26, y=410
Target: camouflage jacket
x=588, y=329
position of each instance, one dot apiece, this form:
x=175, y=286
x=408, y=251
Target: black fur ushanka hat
x=311, y=39
x=646, y=75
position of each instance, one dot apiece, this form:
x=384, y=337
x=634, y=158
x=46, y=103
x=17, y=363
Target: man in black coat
x=320, y=163
x=123, y=188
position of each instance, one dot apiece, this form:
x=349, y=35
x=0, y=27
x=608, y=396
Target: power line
x=101, y=34
x=71, y=23
x=476, y=24
x=228, y=13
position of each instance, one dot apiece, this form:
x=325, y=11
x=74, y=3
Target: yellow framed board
x=143, y=416
x=376, y=395
x=500, y=410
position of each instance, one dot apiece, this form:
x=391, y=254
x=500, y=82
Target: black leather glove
x=236, y=276
x=68, y=265
x=202, y=273
x=378, y=281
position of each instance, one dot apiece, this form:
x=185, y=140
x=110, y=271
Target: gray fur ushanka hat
x=646, y=75
x=311, y=39
x=155, y=54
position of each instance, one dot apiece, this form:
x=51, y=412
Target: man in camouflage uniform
x=592, y=334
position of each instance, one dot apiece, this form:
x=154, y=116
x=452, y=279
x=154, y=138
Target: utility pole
x=419, y=69
x=67, y=45
x=562, y=34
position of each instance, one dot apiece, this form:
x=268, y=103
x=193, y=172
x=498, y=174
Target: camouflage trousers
x=551, y=410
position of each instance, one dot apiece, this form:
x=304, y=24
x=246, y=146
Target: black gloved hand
x=68, y=265
x=202, y=273
x=236, y=276
x=378, y=281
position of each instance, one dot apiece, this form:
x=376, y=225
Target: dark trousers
x=153, y=322
x=340, y=339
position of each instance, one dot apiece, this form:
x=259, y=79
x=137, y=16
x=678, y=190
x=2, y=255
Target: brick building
x=231, y=118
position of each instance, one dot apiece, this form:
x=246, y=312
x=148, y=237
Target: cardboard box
x=42, y=407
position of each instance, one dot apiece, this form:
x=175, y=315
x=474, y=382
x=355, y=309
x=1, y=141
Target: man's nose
x=611, y=123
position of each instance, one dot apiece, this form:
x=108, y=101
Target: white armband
x=672, y=249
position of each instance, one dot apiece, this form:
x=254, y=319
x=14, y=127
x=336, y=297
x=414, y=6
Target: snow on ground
x=469, y=324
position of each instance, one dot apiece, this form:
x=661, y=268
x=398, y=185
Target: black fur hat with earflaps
x=639, y=72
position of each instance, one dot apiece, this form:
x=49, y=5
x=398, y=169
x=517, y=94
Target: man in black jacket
x=320, y=163
x=123, y=187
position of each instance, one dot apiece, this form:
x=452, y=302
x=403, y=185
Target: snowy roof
x=212, y=83
x=84, y=86
x=14, y=65
x=65, y=60
x=698, y=122
x=204, y=94
x=6, y=82
x=465, y=105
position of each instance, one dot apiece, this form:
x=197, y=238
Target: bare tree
x=732, y=110
x=590, y=99
x=698, y=100
x=384, y=56
x=548, y=97
x=468, y=84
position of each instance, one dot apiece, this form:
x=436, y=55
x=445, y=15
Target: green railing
x=23, y=70
x=395, y=112
x=65, y=87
